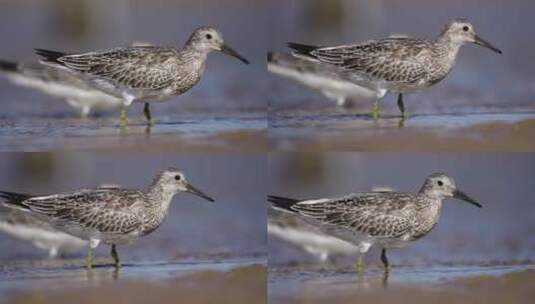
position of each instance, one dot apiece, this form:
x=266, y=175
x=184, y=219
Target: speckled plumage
x=112, y=215
x=387, y=219
x=397, y=64
x=145, y=73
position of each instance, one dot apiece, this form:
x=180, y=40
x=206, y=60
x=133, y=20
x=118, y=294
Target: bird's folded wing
x=136, y=68
x=363, y=213
x=386, y=60
x=101, y=210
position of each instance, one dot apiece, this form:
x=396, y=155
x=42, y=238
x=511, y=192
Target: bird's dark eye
x=440, y=183
x=208, y=36
x=178, y=177
x=466, y=28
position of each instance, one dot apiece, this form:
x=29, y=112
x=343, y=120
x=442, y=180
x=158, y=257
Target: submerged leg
x=375, y=109
x=384, y=259
x=146, y=111
x=93, y=243
x=115, y=256
x=401, y=106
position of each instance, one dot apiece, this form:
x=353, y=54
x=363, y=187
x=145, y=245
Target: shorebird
x=41, y=234
x=396, y=64
x=111, y=215
x=386, y=219
x=60, y=83
x=308, y=237
x=145, y=73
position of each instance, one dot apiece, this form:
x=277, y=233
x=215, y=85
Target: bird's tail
x=282, y=203
x=14, y=200
x=302, y=49
x=8, y=66
x=50, y=56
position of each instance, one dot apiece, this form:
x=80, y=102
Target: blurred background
x=499, y=233
x=232, y=227
x=481, y=81
x=86, y=25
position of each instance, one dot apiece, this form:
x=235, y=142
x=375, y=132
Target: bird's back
x=393, y=63
x=371, y=215
x=87, y=212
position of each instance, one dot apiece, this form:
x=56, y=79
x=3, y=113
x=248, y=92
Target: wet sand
x=226, y=281
x=495, y=284
x=313, y=131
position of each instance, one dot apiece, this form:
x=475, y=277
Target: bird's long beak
x=230, y=51
x=462, y=196
x=195, y=191
x=480, y=41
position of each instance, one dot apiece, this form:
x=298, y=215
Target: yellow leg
x=360, y=264
x=122, y=118
x=89, y=258
x=375, y=109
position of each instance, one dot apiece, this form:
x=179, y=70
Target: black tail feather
x=8, y=66
x=283, y=203
x=14, y=199
x=50, y=56
x=303, y=49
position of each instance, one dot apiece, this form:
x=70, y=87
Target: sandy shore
x=435, y=133
x=516, y=287
x=245, y=284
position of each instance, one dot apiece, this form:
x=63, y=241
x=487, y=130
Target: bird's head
x=172, y=181
x=461, y=31
x=206, y=39
x=442, y=186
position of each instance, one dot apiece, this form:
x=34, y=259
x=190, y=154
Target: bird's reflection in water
x=372, y=281
x=103, y=273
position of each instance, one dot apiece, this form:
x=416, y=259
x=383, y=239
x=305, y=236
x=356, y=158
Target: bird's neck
x=194, y=52
x=160, y=196
x=447, y=49
x=429, y=211
x=157, y=207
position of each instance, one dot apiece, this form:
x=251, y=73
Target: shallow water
x=186, y=132
x=466, y=245
x=344, y=131
x=480, y=105
x=229, y=281
x=494, y=283
x=225, y=111
x=196, y=238
x=71, y=273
